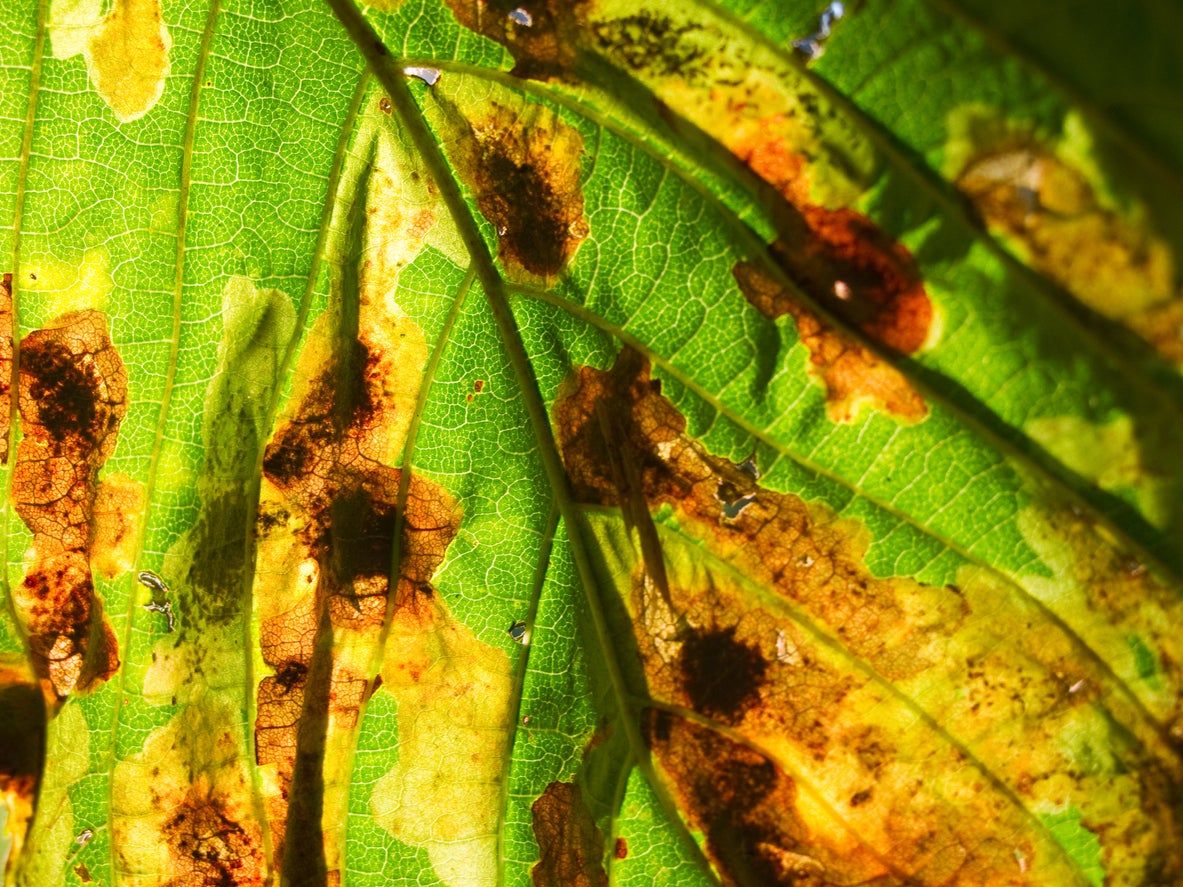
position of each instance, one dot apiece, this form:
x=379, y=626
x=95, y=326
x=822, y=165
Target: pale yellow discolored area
x=218, y=659
x=1108, y=455
x=118, y=517
x=453, y=694
x=383, y=5
x=1110, y=599
x=57, y=287
x=1048, y=200
x=126, y=50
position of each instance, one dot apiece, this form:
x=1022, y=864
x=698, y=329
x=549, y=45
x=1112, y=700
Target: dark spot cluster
x=64, y=388
x=210, y=843
x=652, y=43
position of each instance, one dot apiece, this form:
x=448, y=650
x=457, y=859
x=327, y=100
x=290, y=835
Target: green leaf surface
x=471, y=443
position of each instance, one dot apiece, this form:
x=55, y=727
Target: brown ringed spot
x=72, y=398
x=569, y=841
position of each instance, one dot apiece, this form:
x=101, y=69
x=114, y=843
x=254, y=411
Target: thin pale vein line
x=545, y=555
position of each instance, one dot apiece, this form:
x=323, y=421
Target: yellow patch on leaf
x=126, y=50
x=118, y=515
x=1051, y=206
x=68, y=286
x=453, y=693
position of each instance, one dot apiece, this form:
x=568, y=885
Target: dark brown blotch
x=740, y=800
x=721, y=674
x=343, y=508
x=569, y=841
x=209, y=845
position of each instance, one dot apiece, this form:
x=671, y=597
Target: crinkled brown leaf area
x=758, y=614
x=72, y=396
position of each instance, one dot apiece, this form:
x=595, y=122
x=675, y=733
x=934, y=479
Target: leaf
x=465, y=442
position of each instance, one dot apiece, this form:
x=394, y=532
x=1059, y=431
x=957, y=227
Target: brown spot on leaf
x=744, y=805
x=799, y=550
x=331, y=495
x=620, y=851
x=722, y=674
x=540, y=34
x=846, y=263
x=73, y=395
x=523, y=163
x=851, y=373
x=209, y=846
x=707, y=640
x=569, y=840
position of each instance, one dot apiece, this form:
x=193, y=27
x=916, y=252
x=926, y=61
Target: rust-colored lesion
x=776, y=124
x=569, y=841
x=329, y=492
x=523, y=163
x=845, y=262
x=726, y=610
x=72, y=398
x=208, y=844
x=747, y=809
x=799, y=550
x=542, y=35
